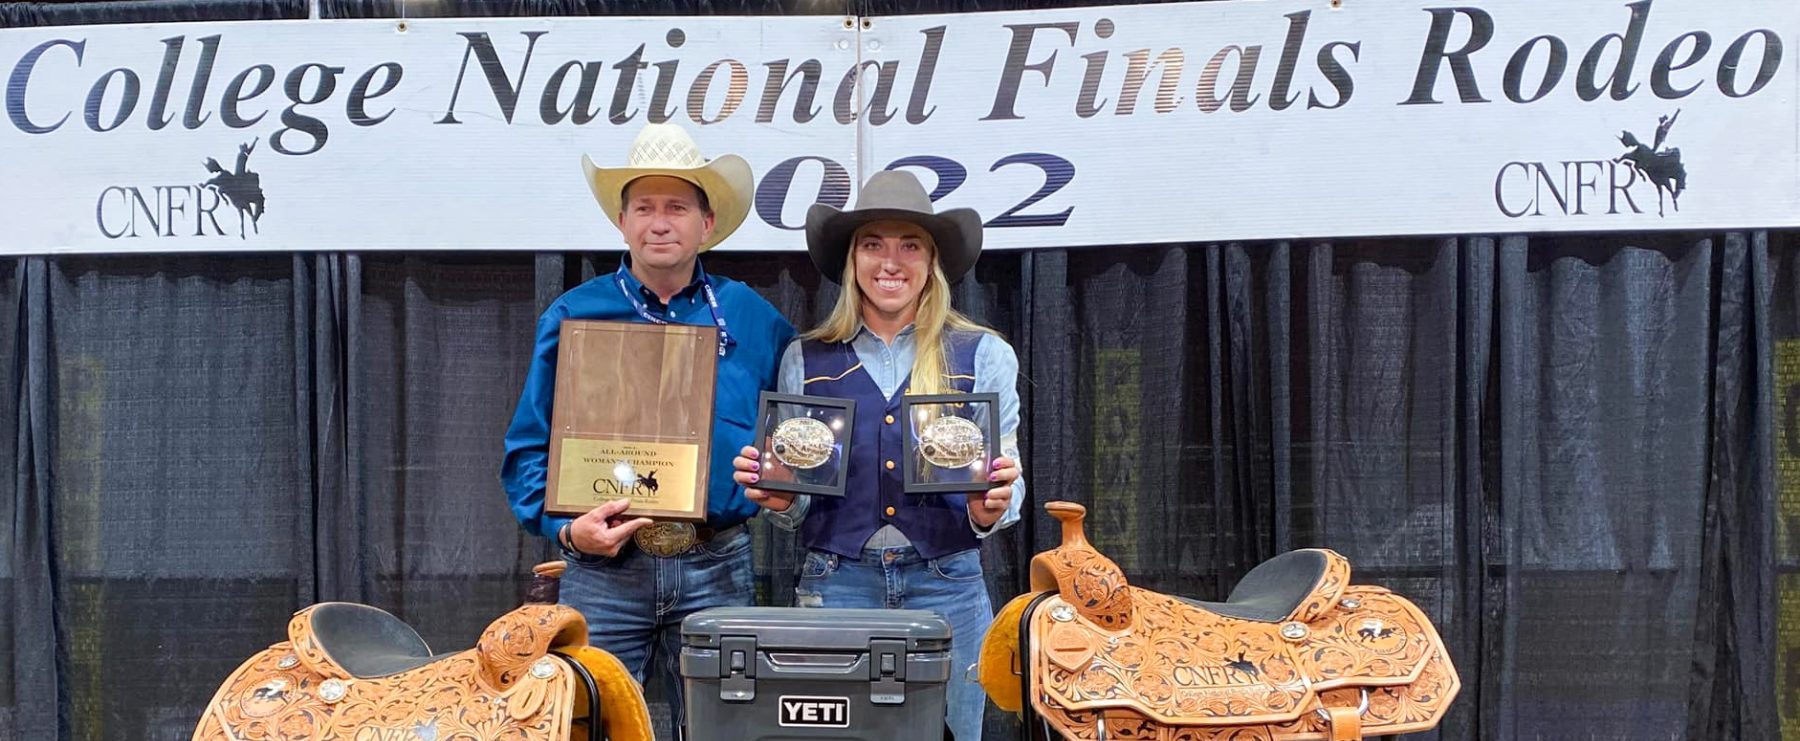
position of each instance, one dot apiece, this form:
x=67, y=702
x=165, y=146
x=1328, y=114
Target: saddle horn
x=1070, y=515
x=546, y=583
x=1087, y=580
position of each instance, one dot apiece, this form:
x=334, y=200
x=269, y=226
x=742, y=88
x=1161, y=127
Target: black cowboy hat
x=897, y=196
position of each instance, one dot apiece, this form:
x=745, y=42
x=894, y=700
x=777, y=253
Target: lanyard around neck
x=712, y=303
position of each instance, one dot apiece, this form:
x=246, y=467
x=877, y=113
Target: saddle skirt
x=351, y=672
x=1297, y=653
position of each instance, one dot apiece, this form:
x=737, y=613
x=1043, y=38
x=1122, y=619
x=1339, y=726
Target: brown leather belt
x=671, y=539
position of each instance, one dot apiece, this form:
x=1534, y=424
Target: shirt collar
x=637, y=286
x=905, y=332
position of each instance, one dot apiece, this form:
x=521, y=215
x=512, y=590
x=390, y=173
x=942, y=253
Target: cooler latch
x=737, y=668
x=887, y=672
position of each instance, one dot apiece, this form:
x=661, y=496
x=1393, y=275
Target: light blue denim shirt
x=889, y=365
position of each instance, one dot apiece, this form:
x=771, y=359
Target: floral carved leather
x=1290, y=656
x=352, y=672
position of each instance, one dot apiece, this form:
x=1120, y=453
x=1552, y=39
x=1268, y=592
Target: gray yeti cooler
x=799, y=673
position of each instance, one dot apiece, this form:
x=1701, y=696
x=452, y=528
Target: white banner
x=1093, y=126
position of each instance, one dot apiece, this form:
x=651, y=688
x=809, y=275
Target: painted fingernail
x=993, y=477
x=755, y=478
x=754, y=466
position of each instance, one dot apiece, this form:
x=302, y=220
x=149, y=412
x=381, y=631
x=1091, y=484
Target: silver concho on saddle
x=1296, y=653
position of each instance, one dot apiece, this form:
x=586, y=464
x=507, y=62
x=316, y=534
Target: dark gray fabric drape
x=33, y=699
x=1563, y=449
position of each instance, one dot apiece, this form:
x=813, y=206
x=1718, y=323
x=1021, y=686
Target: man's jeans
x=634, y=604
x=899, y=578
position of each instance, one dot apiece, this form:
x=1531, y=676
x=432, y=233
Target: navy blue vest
x=937, y=524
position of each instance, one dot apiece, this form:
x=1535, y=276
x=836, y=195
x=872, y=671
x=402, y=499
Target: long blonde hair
x=931, y=365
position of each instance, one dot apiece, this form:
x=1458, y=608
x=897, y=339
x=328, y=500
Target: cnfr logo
x=633, y=485
x=130, y=211
x=1587, y=187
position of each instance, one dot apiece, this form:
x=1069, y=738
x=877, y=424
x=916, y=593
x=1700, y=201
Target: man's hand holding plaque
x=603, y=530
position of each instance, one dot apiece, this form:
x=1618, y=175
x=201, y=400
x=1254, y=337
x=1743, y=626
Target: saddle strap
x=1345, y=724
x=1028, y=713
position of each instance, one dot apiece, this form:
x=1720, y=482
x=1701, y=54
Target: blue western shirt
x=758, y=332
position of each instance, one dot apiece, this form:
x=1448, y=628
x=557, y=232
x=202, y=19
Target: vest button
x=890, y=419
x=890, y=465
x=890, y=511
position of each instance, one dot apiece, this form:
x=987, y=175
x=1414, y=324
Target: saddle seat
x=368, y=642
x=353, y=672
x=1295, y=653
x=1273, y=590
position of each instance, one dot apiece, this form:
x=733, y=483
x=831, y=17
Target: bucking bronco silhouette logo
x=1243, y=666
x=1611, y=183
x=1659, y=165
x=242, y=188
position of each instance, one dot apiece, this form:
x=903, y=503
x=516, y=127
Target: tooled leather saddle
x=351, y=672
x=1296, y=653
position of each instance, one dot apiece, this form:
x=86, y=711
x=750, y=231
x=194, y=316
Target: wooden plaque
x=632, y=418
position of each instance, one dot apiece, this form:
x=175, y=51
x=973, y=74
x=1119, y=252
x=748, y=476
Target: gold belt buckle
x=665, y=539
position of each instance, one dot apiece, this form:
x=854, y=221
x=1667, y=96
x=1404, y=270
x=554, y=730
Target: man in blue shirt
x=670, y=203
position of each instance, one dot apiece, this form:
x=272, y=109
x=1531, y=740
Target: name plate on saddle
x=632, y=418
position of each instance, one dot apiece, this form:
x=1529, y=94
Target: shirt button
x=890, y=465
x=890, y=419
x=890, y=511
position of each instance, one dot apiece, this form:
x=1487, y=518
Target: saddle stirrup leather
x=1295, y=653
x=349, y=672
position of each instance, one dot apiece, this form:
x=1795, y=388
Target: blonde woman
x=891, y=333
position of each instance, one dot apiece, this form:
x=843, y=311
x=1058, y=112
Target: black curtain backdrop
x=1579, y=454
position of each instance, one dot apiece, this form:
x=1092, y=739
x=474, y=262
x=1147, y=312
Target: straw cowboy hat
x=897, y=196
x=666, y=149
